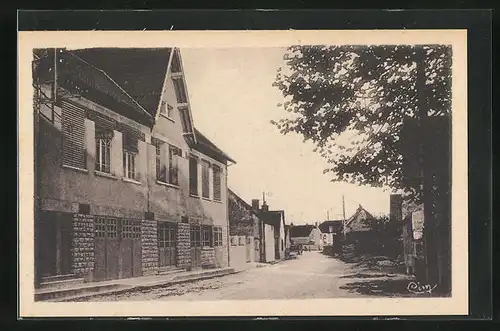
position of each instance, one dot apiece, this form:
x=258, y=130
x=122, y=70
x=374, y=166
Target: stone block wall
x=183, y=246
x=149, y=242
x=82, y=249
x=208, y=258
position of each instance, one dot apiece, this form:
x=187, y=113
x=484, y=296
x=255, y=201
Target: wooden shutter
x=217, y=182
x=205, y=179
x=193, y=176
x=73, y=133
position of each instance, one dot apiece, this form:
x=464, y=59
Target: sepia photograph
x=169, y=173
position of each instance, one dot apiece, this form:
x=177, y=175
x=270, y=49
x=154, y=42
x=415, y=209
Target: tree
x=351, y=102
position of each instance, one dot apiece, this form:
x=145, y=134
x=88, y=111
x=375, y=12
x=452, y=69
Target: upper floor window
x=103, y=139
x=217, y=182
x=167, y=169
x=161, y=167
x=193, y=175
x=166, y=109
x=130, y=151
x=173, y=164
x=180, y=91
x=205, y=189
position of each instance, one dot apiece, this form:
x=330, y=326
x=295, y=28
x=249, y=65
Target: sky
x=233, y=101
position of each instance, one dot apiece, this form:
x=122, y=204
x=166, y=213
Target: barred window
x=131, y=229
x=217, y=182
x=207, y=236
x=217, y=237
x=166, y=235
x=195, y=231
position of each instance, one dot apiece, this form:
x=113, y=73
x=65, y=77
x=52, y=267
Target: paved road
x=310, y=276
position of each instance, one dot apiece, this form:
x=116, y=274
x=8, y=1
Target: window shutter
x=217, y=182
x=73, y=132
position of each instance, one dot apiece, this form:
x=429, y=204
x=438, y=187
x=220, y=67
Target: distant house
x=330, y=230
x=309, y=236
x=245, y=223
x=358, y=222
x=276, y=219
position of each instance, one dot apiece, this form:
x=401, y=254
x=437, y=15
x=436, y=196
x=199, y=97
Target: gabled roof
x=205, y=146
x=301, y=231
x=139, y=71
x=336, y=224
x=356, y=214
x=243, y=202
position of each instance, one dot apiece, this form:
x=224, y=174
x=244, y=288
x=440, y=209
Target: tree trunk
x=427, y=178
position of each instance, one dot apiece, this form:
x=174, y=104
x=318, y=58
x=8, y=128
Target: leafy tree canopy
x=350, y=101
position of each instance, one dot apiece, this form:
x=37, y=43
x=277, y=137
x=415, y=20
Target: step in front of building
x=170, y=271
x=51, y=294
x=60, y=281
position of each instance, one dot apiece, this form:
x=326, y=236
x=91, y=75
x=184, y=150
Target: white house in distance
x=309, y=236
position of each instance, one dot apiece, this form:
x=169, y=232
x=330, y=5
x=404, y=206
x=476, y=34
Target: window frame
x=207, y=230
x=161, y=166
x=194, y=231
x=173, y=164
x=129, y=157
x=102, y=145
x=217, y=236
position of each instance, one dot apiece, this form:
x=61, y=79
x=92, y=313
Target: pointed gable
x=357, y=222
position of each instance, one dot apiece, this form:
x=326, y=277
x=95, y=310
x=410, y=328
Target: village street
x=311, y=275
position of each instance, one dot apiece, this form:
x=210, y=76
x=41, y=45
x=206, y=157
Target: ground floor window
x=207, y=236
x=195, y=234
x=217, y=236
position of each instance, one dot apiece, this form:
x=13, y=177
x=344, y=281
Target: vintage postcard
x=243, y=173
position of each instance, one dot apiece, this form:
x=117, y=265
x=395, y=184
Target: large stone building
x=125, y=185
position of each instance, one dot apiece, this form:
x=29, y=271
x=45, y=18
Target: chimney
x=315, y=224
x=255, y=204
x=396, y=205
x=265, y=207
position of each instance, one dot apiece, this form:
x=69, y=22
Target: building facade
x=308, y=236
x=244, y=221
x=125, y=185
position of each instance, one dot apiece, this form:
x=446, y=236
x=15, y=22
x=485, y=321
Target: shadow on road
x=383, y=288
